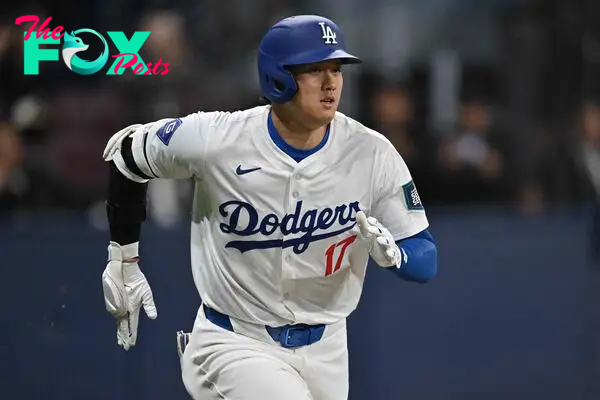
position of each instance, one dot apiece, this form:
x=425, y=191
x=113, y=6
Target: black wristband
x=125, y=207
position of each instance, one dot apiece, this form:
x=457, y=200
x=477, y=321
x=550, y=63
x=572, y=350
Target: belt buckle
x=285, y=336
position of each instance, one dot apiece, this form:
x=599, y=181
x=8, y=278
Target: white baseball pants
x=250, y=365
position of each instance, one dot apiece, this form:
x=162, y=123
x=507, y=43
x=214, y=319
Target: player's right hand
x=126, y=290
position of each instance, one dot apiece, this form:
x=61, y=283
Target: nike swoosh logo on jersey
x=241, y=171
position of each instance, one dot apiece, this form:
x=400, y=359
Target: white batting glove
x=378, y=240
x=126, y=290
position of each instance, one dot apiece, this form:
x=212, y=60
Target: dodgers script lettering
x=242, y=219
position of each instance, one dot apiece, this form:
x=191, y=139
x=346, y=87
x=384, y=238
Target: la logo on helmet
x=328, y=34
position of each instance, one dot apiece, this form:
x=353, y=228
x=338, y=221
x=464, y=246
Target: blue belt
x=290, y=336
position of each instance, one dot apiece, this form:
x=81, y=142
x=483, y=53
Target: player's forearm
x=125, y=207
x=419, y=261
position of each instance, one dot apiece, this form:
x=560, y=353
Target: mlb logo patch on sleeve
x=413, y=201
x=165, y=133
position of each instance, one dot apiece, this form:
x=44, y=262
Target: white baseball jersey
x=271, y=241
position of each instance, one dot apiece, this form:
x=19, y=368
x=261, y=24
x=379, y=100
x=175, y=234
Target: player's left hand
x=378, y=240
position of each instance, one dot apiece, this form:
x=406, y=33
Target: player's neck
x=295, y=134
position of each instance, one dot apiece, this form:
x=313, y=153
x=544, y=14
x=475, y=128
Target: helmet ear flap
x=277, y=84
x=283, y=85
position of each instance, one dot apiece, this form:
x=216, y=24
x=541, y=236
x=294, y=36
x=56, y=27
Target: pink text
x=42, y=31
x=138, y=69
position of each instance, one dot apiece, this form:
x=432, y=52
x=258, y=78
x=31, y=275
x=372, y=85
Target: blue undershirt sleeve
x=419, y=258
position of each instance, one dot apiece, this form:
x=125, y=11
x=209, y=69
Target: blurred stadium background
x=495, y=106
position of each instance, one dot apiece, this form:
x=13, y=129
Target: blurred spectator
x=176, y=92
x=14, y=83
x=474, y=158
x=393, y=111
x=536, y=175
x=81, y=120
x=547, y=179
x=589, y=160
x=11, y=155
x=24, y=186
x=393, y=115
x=589, y=144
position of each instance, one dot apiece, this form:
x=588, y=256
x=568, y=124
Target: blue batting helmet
x=297, y=40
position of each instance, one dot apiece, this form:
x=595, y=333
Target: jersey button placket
x=294, y=183
x=293, y=199
x=286, y=253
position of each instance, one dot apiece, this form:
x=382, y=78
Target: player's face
x=319, y=91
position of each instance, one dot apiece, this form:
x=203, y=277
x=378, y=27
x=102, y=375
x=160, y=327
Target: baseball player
x=297, y=197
